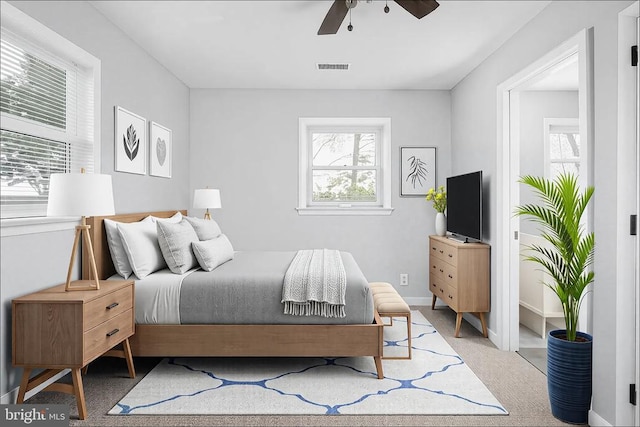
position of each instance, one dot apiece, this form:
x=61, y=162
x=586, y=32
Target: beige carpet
x=519, y=386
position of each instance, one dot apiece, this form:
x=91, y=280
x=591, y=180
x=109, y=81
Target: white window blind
x=46, y=122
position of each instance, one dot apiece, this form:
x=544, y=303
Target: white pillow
x=212, y=253
x=177, y=217
x=175, y=243
x=140, y=241
x=206, y=229
x=118, y=254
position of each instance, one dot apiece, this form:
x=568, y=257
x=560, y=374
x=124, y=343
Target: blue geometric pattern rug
x=435, y=381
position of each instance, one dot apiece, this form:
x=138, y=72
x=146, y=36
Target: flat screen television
x=464, y=207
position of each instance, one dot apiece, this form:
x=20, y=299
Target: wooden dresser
x=459, y=276
x=55, y=330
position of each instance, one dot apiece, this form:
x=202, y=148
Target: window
x=562, y=147
x=47, y=112
x=345, y=166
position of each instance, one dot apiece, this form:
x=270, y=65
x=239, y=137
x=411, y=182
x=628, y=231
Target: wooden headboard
x=98, y=238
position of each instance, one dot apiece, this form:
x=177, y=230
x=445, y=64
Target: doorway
x=566, y=62
x=544, y=121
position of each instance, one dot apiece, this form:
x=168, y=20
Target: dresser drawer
x=450, y=296
x=107, y=307
x=108, y=334
x=438, y=267
x=437, y=287
x=445, y=252
x=450, y=275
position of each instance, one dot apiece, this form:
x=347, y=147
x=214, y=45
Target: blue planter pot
x=569, y=376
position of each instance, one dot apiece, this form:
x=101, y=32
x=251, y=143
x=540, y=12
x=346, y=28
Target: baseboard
x=596, y=420
x=417, y=301
x=12, y=395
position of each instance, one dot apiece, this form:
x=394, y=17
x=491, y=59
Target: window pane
x=559, y=168
x=30, y=88
x=26, y=164
x=344, y=186
x=564, y=145
x=344, y=149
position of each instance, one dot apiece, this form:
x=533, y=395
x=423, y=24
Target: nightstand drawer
x=107, y=307
x=108, y=334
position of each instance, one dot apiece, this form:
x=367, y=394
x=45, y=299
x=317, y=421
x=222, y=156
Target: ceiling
x=273, y=44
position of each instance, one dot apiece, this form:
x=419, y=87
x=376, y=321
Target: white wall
x=474, y=109
x=245, y=142
x=535, y=106
x=135, y=81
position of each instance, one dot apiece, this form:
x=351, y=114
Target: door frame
x=508, y=194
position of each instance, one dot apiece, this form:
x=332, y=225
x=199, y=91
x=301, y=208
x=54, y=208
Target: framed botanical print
x=160, y=146
x=417, y=170
x=130, y=142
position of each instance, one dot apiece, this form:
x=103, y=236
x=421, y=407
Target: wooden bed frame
x=236, y=340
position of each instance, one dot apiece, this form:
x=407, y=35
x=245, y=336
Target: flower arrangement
x=439, y=198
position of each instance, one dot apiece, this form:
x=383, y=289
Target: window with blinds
x=46, y=126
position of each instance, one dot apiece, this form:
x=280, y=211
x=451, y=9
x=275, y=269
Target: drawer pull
x=441, y=251
x=450, y=277
x=450, y=297
x=441, y=271
x=114, y=305
x=450, y=256
x=112, y=333
x=434, y=248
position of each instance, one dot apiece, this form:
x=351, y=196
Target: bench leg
x=408, y=317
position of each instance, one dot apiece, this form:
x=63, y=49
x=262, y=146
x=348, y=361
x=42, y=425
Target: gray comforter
x=248, y=290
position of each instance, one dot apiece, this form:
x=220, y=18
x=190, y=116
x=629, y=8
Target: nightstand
x=56, y=330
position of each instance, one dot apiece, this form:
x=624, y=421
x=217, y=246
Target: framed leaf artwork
x=159, y=150
x=131, y=142
x=417, y=170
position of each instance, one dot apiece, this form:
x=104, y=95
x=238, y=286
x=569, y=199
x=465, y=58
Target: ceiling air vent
x=333, y=66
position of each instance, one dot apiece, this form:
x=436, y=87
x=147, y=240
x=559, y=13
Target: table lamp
x=207, y=198
x=81, y=194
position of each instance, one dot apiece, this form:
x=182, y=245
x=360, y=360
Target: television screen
x=464, y=206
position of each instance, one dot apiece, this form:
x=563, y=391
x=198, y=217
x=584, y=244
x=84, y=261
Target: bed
x=334, y=339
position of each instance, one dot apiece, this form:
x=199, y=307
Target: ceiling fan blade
x=334, y=18
x=418, y=8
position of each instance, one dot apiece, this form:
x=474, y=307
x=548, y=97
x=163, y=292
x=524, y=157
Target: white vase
x=441, y=224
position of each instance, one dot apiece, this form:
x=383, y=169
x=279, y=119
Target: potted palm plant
x=566, y=259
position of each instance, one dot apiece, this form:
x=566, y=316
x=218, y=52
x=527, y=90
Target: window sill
x=43, y=224
x=344, y=211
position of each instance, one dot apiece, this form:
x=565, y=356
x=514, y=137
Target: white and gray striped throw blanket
x=315, y=284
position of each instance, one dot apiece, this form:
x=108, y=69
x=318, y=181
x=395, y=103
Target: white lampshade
x=207, y=198
x=80, y=194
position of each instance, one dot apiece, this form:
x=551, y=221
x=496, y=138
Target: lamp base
x=207, y=215
x=82, y=285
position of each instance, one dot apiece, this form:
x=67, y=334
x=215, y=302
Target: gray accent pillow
x=175, y=243
x=206, y=229
x=213, y=253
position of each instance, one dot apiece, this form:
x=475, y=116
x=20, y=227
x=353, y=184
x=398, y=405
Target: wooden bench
x=388, y=303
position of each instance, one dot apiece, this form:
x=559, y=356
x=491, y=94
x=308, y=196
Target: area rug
x=435, y=381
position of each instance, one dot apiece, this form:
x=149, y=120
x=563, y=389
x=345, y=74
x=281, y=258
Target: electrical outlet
x=404, y=279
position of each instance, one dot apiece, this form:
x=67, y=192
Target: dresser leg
x=433, y=302
x=23, y=385
x=127, y=355
x=458, y=323
x=79, y=391
x=484, y=325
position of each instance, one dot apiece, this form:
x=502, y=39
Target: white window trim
x=21, y=23
x=557, y=122
x=384, y=181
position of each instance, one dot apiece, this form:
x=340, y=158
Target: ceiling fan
x=339, y=9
